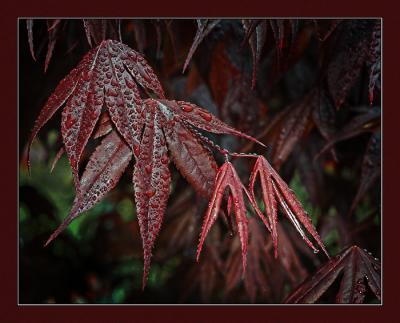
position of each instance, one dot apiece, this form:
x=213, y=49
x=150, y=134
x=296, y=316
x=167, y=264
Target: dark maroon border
x=10, y=312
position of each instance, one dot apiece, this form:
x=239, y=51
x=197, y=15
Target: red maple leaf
x=109, y=76
x=357, y=266
x=227, y=178
x=275, y=190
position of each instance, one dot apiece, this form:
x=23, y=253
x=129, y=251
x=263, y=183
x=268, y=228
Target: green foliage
x=303, y=196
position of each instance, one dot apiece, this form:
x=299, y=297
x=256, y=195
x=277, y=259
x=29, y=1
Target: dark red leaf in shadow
x=178, y=234
x=374, y=61
x=222, y=73
x=255, y=278
x=324, y=28
x=289, y=257
x=256, y=40
x=371, y=168
x=277, y=26
x=139, y=32
x=345, y=67
x=29, y=26
x=357, y=266
x=324, y=116
x=95, y=30
x=291, y=125
x=367, y=121
x=52, y=29
x=243, y=107
x=204, y=277
x=204, y=27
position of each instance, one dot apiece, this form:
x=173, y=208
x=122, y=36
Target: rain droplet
x=69, y=121
x=120, y=102
x=164, y=159
x=136, y=149
x=132, y=55
x=87, y=75
x=114, y=82
x=72, y=161
x=111, y=92
x=187, y=108
x=148, y=169
x=206, y=116
x=129, y=83
x=150, y=193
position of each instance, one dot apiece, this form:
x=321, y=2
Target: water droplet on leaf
x=150, y=193
x=164, y=159
x=187, y=108
x=136, y=149
x=206, y=116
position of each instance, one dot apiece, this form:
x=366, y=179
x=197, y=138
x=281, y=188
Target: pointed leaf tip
x=227, y=178
x=57, y=232
x=275, y=190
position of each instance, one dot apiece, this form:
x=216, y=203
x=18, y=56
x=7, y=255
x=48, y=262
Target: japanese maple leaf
x=102, y=173
x=274, y=191
x=204, y=278
x=370, y=170
x=95, y=29
x=106, y=75
x=256, y=277
x=227, y=178
x=374, y=61
x=358, y=267
x=98, y=29
x=256, y=41
x=147, y=129
x=325, y=28
x=368, y=120
x=164, y=128
x=288, y=127
x=255, y=35
x=263, y=275
x=359, y=44
x=204, y=27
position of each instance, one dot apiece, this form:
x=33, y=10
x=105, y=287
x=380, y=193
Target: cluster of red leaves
x=109, y=76
x=357, y=266
x=107, y=90
x=274, y=190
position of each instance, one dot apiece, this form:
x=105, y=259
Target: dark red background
x=11, y=312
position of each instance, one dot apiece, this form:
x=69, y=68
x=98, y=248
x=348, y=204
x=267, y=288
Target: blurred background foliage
x=98, y=259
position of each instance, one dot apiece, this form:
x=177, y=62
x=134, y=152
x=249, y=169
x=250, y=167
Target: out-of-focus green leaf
x=302, y=194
